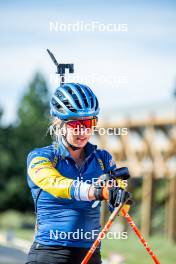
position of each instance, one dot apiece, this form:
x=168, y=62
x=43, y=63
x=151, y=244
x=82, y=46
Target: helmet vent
x=62, y=110
x=58, y=106
x=82, y=95
x=69, y=106
x=74, y=96
x=77, y=102
x=60, y=95
x=91, y=100
x=55, y=103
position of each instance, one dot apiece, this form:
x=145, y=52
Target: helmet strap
x=66, y=141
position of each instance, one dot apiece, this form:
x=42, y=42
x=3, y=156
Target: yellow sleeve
x=44, y=175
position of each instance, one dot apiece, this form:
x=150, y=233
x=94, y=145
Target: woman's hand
x=114, y=195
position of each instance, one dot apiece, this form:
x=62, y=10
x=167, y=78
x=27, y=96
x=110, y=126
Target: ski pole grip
x=120, y=173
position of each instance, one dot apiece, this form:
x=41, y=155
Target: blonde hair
x=54, y=128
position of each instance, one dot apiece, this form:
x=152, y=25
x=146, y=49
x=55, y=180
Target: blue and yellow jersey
x=64, y=214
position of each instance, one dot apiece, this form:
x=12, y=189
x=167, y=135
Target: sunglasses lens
x=73, y=124
x=88, y=123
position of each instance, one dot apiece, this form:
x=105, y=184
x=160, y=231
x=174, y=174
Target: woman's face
x=80, y=135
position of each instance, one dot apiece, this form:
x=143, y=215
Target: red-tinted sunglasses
x=88, y=123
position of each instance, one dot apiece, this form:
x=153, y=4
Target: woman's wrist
x=91, y=193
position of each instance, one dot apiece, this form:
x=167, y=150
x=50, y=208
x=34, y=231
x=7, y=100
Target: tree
x=27, y=133
x=33, y=113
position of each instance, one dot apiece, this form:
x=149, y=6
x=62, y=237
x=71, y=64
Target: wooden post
x=146, y=205
x=104, y=213
x=171, y=210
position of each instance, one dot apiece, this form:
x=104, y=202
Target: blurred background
x=132, y=69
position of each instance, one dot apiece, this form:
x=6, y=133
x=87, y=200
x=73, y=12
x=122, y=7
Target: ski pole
x=138, y=233
x=122, y=174
x=118, y=174
x=102, y=234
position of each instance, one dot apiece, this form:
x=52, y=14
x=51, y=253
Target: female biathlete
x=62, y=180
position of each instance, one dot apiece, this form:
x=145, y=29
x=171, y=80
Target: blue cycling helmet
x=73, y=100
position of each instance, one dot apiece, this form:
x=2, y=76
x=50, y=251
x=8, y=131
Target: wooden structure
x=149, y=151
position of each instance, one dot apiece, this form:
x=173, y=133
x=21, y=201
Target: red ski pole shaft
x=101, y=234
x=138, y=233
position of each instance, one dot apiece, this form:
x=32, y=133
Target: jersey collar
x=63, y=151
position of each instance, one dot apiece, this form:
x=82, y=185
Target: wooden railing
x=149, y=151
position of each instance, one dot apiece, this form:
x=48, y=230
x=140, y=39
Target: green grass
x=19, y=223
x=131, y=248
x=25, y=234
x=135, y=253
